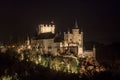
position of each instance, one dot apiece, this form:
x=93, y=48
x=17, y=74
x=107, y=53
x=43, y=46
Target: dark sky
x=98, y=19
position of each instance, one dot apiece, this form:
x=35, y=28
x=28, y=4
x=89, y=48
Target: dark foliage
x=27, y=70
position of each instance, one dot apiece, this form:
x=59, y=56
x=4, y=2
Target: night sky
x=99, y=19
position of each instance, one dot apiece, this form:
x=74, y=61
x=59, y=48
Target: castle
x=47, y=41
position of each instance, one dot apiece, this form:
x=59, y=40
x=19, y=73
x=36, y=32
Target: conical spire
x=76, y=24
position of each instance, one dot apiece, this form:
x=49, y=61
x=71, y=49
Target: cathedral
x=47, y=41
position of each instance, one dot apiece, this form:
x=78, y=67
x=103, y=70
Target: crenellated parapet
x=45, y=28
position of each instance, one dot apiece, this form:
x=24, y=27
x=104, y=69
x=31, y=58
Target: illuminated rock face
x=44, y=28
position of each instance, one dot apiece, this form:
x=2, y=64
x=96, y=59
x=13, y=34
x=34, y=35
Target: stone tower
x=75, y=39
x=45, y=28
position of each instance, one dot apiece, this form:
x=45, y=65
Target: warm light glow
x=46, y=28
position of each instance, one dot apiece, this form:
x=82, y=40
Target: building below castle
x=47, y=41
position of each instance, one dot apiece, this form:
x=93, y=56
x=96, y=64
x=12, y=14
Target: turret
x=76, y=25
x=75, y=30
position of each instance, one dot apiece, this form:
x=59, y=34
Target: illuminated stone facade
x=74, y=39
x=47, y=41
x=44, y=28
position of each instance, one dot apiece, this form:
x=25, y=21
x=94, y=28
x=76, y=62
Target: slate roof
x=56, y=37
x=45, y=36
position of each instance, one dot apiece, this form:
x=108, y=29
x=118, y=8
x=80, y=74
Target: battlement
x=45, y=28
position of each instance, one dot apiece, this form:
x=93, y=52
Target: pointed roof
x=76, y=24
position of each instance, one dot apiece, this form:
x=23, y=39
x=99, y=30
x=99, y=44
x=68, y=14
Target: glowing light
x=46, y=28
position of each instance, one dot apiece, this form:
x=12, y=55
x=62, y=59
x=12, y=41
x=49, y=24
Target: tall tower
x=78, y=38
x=75, y=30
x=76, y=34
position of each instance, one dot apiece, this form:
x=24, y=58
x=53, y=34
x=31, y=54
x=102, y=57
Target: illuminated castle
x=47, y=41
